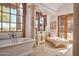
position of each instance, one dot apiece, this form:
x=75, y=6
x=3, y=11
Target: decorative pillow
x=53, y=34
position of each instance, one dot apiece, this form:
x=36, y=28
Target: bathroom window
x=13, y=26
x=13, y=10
x=5, y=26
x=6, y=8
x=65, y=26
x=11, y=15
x=40, y=21
x=37, y=19
x=13, y=18
x=20, y=11
x=19, y=28
x=19, y=19
x=5, y=17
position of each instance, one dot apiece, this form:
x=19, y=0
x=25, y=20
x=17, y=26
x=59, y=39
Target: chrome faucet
x=12, y=35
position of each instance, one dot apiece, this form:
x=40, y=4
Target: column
x=76, y=30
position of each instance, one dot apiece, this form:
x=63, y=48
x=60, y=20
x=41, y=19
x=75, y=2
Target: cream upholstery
x=58, y=41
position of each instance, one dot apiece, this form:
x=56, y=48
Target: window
x=13, y=10
x=13, y=18
x=40, y=22
x=5, y=26
x=6, y=9
x=70, y=27
x=13, y=26
x=37, y=23
x=19, y=28
x=61, y=27
x=19, y=19
x=11, y=15
x=5, y=17
x=20, y=11
x=65, y=26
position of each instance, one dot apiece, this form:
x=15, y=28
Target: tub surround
x=7, y=43
x=5, y=35
x=18, y=48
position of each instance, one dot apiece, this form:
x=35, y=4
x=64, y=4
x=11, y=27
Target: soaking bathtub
x=16, y=47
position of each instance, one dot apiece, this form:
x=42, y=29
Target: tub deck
x=9, y=48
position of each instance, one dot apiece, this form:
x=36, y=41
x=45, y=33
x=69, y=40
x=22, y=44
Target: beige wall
x=28, y=22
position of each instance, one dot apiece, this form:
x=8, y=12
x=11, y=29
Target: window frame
x=65, y=20
x=39, y=14
x=17, y=15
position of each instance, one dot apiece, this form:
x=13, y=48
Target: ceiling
x=52, y=6
x=55, y=8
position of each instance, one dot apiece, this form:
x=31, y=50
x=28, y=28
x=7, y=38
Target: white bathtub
x=18, y=47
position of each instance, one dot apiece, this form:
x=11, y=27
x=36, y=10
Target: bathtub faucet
x=12, y=35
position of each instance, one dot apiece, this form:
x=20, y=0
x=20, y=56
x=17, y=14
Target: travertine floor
x=48, y=50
